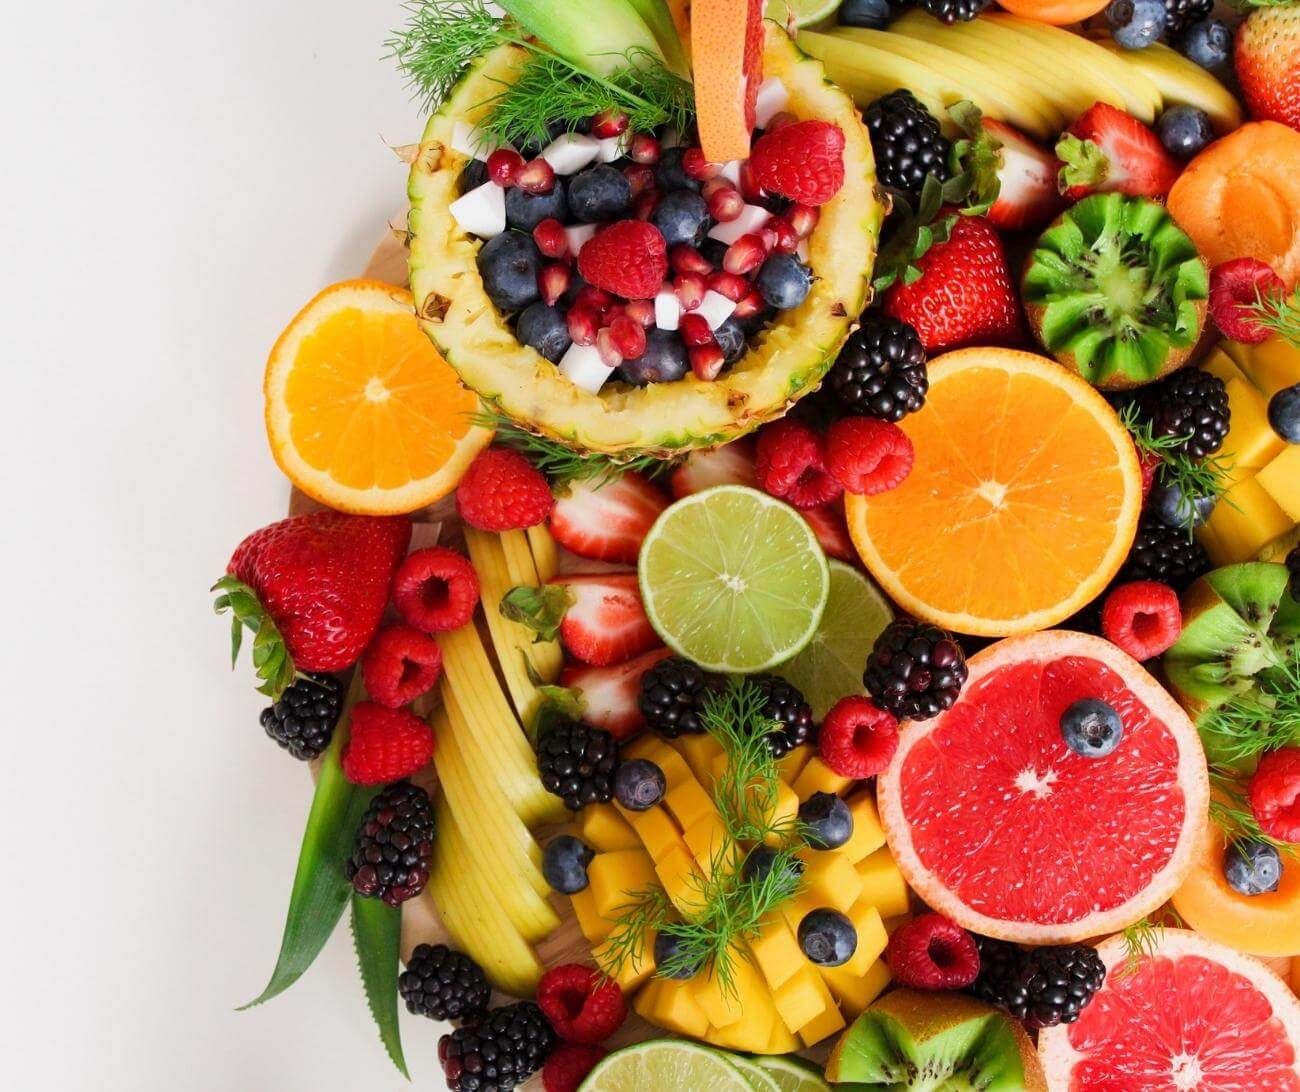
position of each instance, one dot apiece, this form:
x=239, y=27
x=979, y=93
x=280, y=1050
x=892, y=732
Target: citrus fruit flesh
x=727, y=55
x=995, y=822
x=1021, y=504
x=793, y=1074
x=665, y=1063
x=1191, y=1015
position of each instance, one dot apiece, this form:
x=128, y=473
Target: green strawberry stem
x=1084, y=163
x=271, y=657
x=541, y=609
x=377, y=937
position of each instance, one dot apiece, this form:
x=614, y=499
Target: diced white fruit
x=751, y=218
x=568, y=153
x=611, y=148
x=668, y=309
x=801, y=251
x=731, y=172
x=583, y=367
x=577, y=235
x=482, y=211
x=773, y=97
x=716, y=308
x=472, y=141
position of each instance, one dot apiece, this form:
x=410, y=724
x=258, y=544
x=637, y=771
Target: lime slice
x=831, y=666
x=759, y=1080
x=733, y=579
x=668, y=1064
x=805, y=12
x=794, y=1075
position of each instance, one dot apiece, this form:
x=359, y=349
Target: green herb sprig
x=1279, y=315
x=441, y=39
x=562, y=464
x=1207, y=477
x=1142, y=939
x=1232, y=813
x=646, y=909
x=1252, y=723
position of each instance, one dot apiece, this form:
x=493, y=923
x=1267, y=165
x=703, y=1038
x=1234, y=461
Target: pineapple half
x=786, y=361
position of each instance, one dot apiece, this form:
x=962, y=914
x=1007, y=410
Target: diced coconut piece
x=471, y=140
x=716, y=308
x=751, y=218
x=568, y=153
x=731, y=172
x=482, y=211
x=582, y=365
x=668, y=309
x=801, y=251
x=577, y=235
x=611, y=148
x=773, y=97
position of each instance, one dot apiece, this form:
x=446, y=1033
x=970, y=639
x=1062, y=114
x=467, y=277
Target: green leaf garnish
x=541, y=609
x=1278, y=314
x=440, y=41
x=271, y=659
x=1231, y=812
x=1207, y=477
x=562, y=464
x=976, y=158
x=1142, y=939
x=916, y=231
x=377, y=938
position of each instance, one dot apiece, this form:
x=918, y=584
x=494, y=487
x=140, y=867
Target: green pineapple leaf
x=377, y=938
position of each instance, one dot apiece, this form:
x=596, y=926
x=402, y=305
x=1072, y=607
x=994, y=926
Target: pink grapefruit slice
x=995, y=822
x=1192, y=1014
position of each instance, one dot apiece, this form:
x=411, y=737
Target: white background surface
x=177, y=179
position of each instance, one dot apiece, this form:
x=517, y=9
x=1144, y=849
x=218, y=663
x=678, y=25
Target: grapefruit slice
x=1192, y=1015
x=727, y=58
x=999, y=825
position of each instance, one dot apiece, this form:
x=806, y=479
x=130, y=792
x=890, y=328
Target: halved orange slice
x=362, y=413
x=1021, y=505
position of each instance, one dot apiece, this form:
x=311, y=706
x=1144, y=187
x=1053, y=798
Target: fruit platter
x=793, y=570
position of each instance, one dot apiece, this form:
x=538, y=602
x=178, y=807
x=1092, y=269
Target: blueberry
x=827, y=938
x=714, y=250
x=1091, y=728
x=509, y=265
x=526, y=210
x=564, y=864
x=730, y=337
x=1284, y=413
x=783, y=281
x=759, y=863
x=1185, y=130
x=472, y=176
x=1252, y=868
x=666, y=947
x=577, y=282
x=545, y=330
x=1169, y=504
x=827, y=820
x=531, y=149
x=639, y=784
x=599, y=193
x=1208, y=43
x=669, y=175
x=663, y=361
x=1136, y=24
x=872, y=14
x=681, y=217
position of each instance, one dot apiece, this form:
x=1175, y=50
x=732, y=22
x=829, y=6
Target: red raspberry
x=791, y=465
x=568, y=1065
x=503, y=491
x=1235, y=287
x=628, y=258
x=933, y=953
x=857, y=738
x=1275, y=794
x=803, y=161
x=867, y=455
x=1142, y=618
x=386, y=745
x=435, y=590
x=581, y=1004
x=400, y=665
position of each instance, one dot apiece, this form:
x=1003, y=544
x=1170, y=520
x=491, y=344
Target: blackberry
x=390, y=859
x=785, y=704
x=499, y=1052
x=1166, y=554
x=1041, y=986
x=906, y=141
x=1293, y=567
x=880, y=372
x=1180, y=14
x=303, y=720
x=1189, y=403
x=670, y=695
x=954, y=11
x=577, y=763
x=443, y=984
x=915, y=670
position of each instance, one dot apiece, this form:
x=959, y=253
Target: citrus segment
x=727, y=55
x=665, y=1063
x=1021, y=504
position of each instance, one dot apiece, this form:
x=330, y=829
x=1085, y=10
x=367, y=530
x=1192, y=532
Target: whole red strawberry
x=628, y=258
x=803, y=161
x=312, y=588
x=964, y=294
x=1267, y=58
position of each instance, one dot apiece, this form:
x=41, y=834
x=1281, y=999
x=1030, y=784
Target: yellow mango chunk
x=777, y=952
x=688, y=802
x=1270, y=365
x=872, y=939
x=781, y=1041
x=788, y=767
x=816, y=776
x=784, y=813
x=1219, y=363
x=699, y=751
x=829, y=879
x=594, y=926
x=883, y=885
x=635, y=969
x=674, y=1007
x=707, y=840
x=615, y=877
x=679, y=878
x=868, y=835
x=828, y=1023
x=643, y=1004
x=1245, y=518
x=1251, y=441
x=605, y=830
x=1281, y=480
x=724, y=1008
x=855, y=992
x=802, y=998
x=656, y=831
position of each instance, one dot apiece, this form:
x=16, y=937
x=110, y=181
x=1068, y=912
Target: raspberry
x=628, y=258
x=857, y=738
x=386, y=745
x=933, y=952
x=1234, y=287
x=503, y=491
x=582, y=1006
x=1275, y=794
x=435, y=590
x=569, y=1065
x=1142, y=618
x=791, y=465
x=867, y=455
x=803, y=161
x=400, y=665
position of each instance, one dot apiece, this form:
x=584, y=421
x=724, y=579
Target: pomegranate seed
x=640, y=176
x=503, y=166
x=536, y=177
x=785, y=240
x=608, y=123
x=744, y=255
x=695, y=329
x=644, y=206
x=690, y=289
x=731, y=285
x=608, y=350
x=550, y=238
x=642, y=311
x=697, y=167
x=643, y=149
x=628, y=336
x=583, y=322
x=779, y=121
x=706, y=361
x=713, y=185
x=553, y=281
x=803, y=218
x=595, y=298
x=749, y=305
x=725, y=204
x=684, y=258
x=749, y=188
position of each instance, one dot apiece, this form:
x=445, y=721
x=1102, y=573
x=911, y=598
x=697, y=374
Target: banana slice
x=1182, y=82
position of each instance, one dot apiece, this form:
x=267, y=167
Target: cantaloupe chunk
x=615, y=877
x=1281, y=480
x=816, y=776
x=868, y=835
x=605, y=830
x=882, y=884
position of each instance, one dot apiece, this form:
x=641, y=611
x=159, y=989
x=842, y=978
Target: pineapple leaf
x=377, y=938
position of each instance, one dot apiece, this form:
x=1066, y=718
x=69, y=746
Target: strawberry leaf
x=271, y=659
x=918, y=230
x=541, y=609
x=1085, y=164
x=976, y=158
x=377, y=938
x=559, y=703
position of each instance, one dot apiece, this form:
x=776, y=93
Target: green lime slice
x=759, y=1080
x=831, y=666
x=805, y=12
x=667, y=1064
x=794, y=1074
x=733, y=579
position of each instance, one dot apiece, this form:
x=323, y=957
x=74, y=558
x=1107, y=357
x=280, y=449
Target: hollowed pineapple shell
x=786, y=360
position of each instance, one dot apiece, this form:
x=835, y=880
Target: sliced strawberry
x=827, y=522
x=729, y=465
x=607, y=521
x=1109, y=151
x=611, y=692
x=605, y=623
x=1013, y=179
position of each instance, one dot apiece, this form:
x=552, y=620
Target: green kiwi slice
x=1115, y=290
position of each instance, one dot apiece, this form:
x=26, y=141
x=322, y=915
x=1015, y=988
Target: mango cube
x=816, y=776
x=675, y=1008
x=688, y=802
x=699, y=751
x=1251, y=441
x=828, y=1023
x=1281, y=480
x=657, y=832
x=1245, y=518
x=784, y=813
x=781, y=1041
x=616, y=877
x=883, y=885
x=707, y=840
x=642, y=747
x=647, y=997
x=789, y=766
x=830, y=879
x=724, y=1008
x=594, y=927
x=855, y=992
x=602, y=828
x=777, y=952
x=1270, y=365
x=872, y=939
x=636, y=968
x=802, y=998
x=678, y=876
x=868, y=835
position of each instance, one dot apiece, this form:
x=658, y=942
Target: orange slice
x=362, y=413
x=1021, y=505
x=727, y=59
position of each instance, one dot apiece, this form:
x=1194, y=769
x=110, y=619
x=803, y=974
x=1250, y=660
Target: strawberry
x=1109, y=151
x=803, y=161
x=599, y=618
x=964, y=293
x=312, y=588
x=729, y=465
x=1012, y=178
x=628, y=258
x=607, y=521
x=827, y=522
x=1267, y=58
x=611, y=692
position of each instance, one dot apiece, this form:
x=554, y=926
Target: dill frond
x=645, y=909
x=1278, y=314
x=1231, y=812
x=440, y=41
x=1195, y=478
x=1142, y=939
x=1250, y=724
x=562, y=464
x=746, y=792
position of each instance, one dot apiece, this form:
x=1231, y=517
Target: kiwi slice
x=909, y=1041
x=1235, y=667
x=1115, y=290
